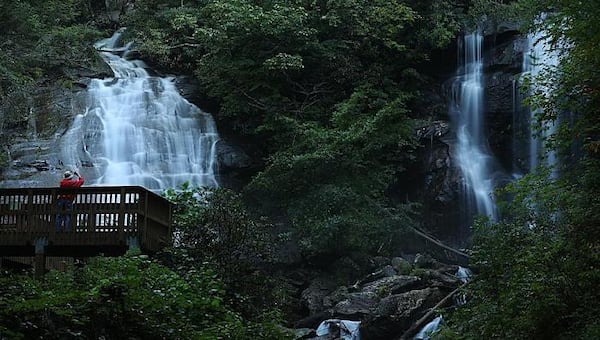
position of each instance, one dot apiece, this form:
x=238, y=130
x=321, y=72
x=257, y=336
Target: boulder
x=231, y=157
x=401, y=265
x=392, y=285
x=395, y=314
x=426, y=261
x=356, y=305
x=312, y=297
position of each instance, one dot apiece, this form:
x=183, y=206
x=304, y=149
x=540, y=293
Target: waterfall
x=464, y=274
x=467, y=110
x=429, y=329
x=138, y=130
x=539, y=60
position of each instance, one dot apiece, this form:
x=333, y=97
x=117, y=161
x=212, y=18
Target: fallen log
x=422, y=234
x=429, y=315
x=431, y=239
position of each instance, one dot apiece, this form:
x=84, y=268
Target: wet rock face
x=33, y=150
x=386, y=304
x=235, y=166
x=231, y=157
x=503, y=65
x=435, y=180
x=31, y=146
x=505, y=51
x=499, y=93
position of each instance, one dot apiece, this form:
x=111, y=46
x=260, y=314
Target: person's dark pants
x=64, y=214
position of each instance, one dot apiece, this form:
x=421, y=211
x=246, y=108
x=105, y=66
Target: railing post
x=40, y=257
x=92, y=200
x=121, y=217
x=144, y=226
x=53, y=212
x=29, y=219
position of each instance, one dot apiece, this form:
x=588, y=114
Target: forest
x=326, y=96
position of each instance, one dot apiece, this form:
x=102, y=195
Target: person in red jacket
x=65, y=202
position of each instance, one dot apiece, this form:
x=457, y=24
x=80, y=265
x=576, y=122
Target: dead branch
x=429, y=315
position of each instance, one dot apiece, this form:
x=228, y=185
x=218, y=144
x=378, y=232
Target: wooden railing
x=102, y=220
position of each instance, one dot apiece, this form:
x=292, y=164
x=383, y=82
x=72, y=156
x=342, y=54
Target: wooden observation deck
x=104, y=220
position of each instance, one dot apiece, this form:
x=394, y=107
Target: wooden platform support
x=39, y=268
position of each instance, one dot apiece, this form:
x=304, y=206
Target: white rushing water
x=138, y=130
x=540, y=59
x=429, y=329
x=474, y=157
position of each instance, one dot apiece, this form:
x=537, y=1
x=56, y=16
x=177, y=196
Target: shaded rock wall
x=503, y=59
x=32, y=149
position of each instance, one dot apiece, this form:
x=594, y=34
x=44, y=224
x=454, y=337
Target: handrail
x=99, y=216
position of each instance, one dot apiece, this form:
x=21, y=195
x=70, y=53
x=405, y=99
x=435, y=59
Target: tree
x=42, y=37
x=327, y=90
x=327, y=179
x=126, y=297
x=215, y=226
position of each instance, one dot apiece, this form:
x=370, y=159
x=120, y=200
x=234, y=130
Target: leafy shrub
x=536, y=269
x=127, y=297
x=214, y=225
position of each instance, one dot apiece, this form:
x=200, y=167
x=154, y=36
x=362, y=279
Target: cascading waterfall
x=541, y=58
x=138, y=130
x=429, y=329
x=474, y=157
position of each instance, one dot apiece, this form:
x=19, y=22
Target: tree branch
x=422, y=234
x=429, y=315
x=182, y=45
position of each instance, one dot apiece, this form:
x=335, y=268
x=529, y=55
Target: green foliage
x=115, y=298
x=326, y=89
x=438, y=22
x=268, y=61
x=534, y=277
x=538, y=267
x=328, y=178
x=335, y=220
x=538, y=270
x=214, y=225
x=39, y=38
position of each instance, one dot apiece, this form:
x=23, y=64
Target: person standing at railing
x=65, y=202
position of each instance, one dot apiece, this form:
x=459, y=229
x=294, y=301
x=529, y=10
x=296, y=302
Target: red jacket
x=70, y=183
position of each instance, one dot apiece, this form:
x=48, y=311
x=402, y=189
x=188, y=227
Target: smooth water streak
x=540, y=59
x=473, y=155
